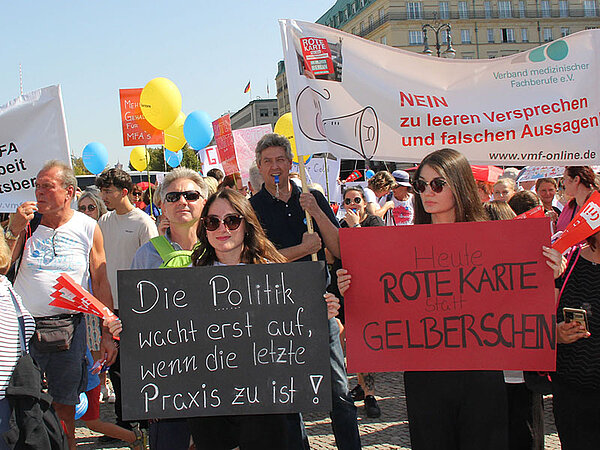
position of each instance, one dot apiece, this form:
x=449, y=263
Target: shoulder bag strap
x=163, y=247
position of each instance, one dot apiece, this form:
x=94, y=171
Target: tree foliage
x=157, y=159
x=78, y=166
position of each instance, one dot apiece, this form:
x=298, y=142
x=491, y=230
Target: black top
x=578, y=363
x=285, y=223
x=369, y=221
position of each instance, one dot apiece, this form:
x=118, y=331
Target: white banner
x=209, y=157
x=32, y=131
x=362, y=100
x=328, y=179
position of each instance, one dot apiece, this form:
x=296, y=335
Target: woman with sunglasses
x=183, y=194
x=459, y=410
x=91, y=204
x=357, y=216
x=230, y=234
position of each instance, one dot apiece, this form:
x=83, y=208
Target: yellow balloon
x=285, y=127
x=139, y=158
x=174, y=138
x=160, y=102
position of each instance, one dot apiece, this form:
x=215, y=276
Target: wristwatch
x=9, y=235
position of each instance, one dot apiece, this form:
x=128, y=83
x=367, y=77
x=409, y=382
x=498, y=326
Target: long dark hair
x=587, y=177
x=257, y=247
x=456, y=170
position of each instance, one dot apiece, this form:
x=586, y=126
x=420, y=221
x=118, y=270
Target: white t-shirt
x=123, y=234
x=48, y=253
x=403, y=212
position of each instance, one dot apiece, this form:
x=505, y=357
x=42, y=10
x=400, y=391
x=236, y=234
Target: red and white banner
x=363, y=100
x=225, y=144
x=585, y=223
x=449, y=297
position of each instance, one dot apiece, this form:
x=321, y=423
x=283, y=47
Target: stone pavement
x=390, y=431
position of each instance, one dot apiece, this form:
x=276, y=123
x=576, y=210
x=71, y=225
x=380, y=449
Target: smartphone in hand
x=576, y=315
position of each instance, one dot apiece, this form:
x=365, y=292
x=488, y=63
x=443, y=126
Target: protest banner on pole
x=225, y=144
x=245, y=140
x=206, y=341
x=136, y=129
x=450, y=297
x=362, y=100
x=32, y=131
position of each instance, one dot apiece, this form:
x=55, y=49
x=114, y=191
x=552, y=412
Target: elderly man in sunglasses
x=183, y=195
x=125, y=229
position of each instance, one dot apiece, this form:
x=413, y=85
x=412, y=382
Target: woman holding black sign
x=459, y=410
x=230, y=234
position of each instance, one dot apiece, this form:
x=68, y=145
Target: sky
x=209, y=49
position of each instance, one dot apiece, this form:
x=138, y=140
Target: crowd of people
x=190, y=220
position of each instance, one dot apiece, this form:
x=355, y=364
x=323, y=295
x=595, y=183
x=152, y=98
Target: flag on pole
x=247, y=88
x=267, y=89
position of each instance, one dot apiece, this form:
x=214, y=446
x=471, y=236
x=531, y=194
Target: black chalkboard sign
x=223, y=340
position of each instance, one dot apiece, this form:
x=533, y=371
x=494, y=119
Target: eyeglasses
x=136, y=194
x=90, y=208
x=357, y=200
x=190, y=196
x=231, y=221
x=436, y=185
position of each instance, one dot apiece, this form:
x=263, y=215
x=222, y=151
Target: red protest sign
x=538, y=211
x=225, y=144
x=584, y=224
x=317, y=56
x=136, y=129
x=465, y=296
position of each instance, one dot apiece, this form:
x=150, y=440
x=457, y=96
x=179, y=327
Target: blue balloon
x=82, y=406
x=369, y=174
x=95, y=157
x=173, y=159
x=198, y=130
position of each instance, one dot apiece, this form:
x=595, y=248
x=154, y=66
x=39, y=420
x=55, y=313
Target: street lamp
x=445, y=27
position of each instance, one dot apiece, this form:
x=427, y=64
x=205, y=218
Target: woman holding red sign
x=460, y=410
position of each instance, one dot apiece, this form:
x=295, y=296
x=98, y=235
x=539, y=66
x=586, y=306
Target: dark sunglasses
x=356, y=200
x=136, y=194
x=190, y=196
x=231, y=221
x=436, y=185
x=90, y=208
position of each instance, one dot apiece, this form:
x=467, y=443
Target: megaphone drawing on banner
x=357, y=131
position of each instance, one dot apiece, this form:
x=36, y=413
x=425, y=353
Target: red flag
x=247, y=88
x=584, y=224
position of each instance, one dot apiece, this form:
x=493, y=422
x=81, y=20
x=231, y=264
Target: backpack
x=171, y=257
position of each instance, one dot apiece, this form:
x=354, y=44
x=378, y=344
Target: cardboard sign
x=223, y=340
x=464, y=296
x=317, y=56
x=225, y=144
x=136, y=129
x=245, y=145
x=584, y=224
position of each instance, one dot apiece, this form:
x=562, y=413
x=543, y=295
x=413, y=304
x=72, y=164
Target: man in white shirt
x=403, y=211
x=125, y=229
x=64, y=241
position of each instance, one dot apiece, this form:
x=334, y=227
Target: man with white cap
x=403, y=211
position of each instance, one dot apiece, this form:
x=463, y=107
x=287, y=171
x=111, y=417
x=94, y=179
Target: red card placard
x=317, y=56
x=136, y=129
x=225, y=144
x=465, y=296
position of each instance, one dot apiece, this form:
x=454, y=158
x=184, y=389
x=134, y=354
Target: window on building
x=275, y=112
x=383, y=40
x=507, y=34
x=563, y=8
x=463, y=10
x=444, y=10
x=589, y=8
x=524, y=36
x=415, y=37
x=354, y=8
x=465, y=36
x=487, y=7
x=362, y=27
x=381, y=14
x=362, y=3
x=467, y=55
x=413, y=10
x=354, y=30
x=263, y=112
x=490, y=34
x=545, y=8
x=565, y=31
x=521, y=9
x=371, y=21
x=547, y=34
x=346, y=14
x=504, y=9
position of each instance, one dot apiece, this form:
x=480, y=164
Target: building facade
x=480, y=29
x=256, y=112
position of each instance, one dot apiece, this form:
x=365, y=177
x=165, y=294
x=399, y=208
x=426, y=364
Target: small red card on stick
x=70, y=295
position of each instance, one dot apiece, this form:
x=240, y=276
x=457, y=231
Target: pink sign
x=245, y=145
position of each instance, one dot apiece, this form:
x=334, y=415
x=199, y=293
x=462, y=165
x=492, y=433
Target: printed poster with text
x=32, y=131
x=450, y=297
x=359, y=99
x=136, y=129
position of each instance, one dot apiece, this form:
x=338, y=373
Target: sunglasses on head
x=190, y=196
x=231, y=221
x=436, y=185
x=90, y=208
x=357, y=200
